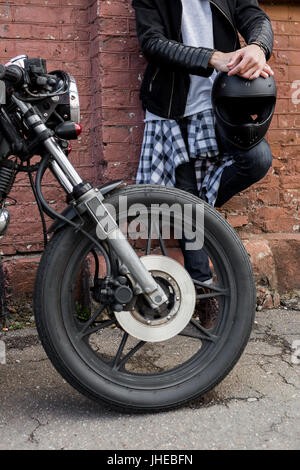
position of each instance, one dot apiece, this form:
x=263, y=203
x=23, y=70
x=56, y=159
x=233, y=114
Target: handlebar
x=12, y=74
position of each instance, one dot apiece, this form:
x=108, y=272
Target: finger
x=241, y=68
x=268, y=69
x=253, y=72
x=245, y=63
x=235, y=60
x=258, y=73
x=264, y=74
x=255, y=75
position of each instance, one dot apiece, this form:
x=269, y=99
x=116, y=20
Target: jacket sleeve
x=164, y=52
x=254, y=24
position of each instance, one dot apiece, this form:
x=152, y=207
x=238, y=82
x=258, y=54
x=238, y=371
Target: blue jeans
x=249, y=167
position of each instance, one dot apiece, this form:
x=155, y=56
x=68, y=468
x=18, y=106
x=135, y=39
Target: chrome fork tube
x=58, y=172
x=91, y=202
x=63, y=168
x=62, y=161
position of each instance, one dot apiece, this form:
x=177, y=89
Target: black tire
x=84, y=370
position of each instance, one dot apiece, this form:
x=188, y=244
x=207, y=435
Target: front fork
x=90, y=200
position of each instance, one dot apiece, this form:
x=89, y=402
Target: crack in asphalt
x=32, y=437
x=267, y=336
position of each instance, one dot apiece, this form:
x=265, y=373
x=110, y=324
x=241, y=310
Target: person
x=186, y=42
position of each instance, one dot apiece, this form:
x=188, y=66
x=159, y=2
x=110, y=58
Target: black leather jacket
x=166, y=80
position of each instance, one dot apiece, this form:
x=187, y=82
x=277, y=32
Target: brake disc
x=144, y=323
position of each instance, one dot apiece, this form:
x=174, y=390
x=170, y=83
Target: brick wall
x=60, y=32
x=96, y=41
x=63, y=32
x=272, y=206
x=267, y=215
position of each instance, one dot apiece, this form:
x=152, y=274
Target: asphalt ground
x=257, y=406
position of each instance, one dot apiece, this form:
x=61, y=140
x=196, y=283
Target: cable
x=55, y=215
x=37, y=97
x=40, y=208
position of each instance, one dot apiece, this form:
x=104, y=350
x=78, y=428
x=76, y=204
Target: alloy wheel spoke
x=97, y=264
x=206, y=335
x=100, y=326
x=211, y=294
x=201, y=332
x=115, y=364
x=161, y=241
x=212, y=287
x=153, y=225
x=189, y=332
x=129, y=355
x=149, y=240
x=85, y=330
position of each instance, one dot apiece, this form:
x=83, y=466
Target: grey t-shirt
x=197, y=31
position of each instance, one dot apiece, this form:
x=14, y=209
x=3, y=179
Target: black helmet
x=243, y=108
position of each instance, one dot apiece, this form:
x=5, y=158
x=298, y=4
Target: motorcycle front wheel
x=89, y=343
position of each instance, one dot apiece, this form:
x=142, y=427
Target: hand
x=248, y=62
x=267, y=71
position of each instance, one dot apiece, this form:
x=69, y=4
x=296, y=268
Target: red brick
x=43, y=14
x=237, y=220
x=21, y=274
x=116, y=134
x=96, y=42
x=268, y=196
x=115, y=8
x=115, y=61
x=114, y=26
x=262, y=262
x=285, y=252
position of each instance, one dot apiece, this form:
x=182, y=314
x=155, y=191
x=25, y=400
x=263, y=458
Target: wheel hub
x=150, y=325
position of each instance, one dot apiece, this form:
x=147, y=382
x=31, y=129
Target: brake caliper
x=115, y=292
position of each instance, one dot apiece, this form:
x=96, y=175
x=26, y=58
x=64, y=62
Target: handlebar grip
x=12, y=74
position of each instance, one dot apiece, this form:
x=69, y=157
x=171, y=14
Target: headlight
x=74, y=101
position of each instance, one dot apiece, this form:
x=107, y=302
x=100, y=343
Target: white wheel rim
x=183, y=309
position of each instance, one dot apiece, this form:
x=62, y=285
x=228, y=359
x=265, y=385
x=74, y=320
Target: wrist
x=215, y=59
x=261, y=46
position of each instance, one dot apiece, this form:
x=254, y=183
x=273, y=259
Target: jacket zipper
x=228, y=19
x=171, y=98
x=173, y=74
x=172, y=89
x=153, y=78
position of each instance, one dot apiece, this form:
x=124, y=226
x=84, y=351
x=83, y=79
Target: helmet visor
x=237, y=111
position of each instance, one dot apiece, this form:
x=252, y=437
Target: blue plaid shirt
x=164, y=149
